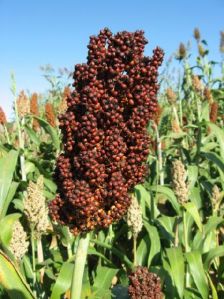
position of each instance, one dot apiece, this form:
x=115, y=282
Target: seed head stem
x=80, y=260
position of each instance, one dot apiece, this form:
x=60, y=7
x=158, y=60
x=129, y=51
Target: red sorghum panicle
x=197, y=84
x=34, y=110
x=157, y=114
x=63, y=103
x=23, y=104
x=208, y=95
x=214, y=107
x=104, y=131
x=144, y=285
x=171, y=96
x=49, y=114
x=2, y=117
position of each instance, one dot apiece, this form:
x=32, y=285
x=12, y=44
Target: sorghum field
x=112, y=182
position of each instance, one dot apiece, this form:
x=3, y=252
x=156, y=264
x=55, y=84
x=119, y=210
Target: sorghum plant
x=105, y=136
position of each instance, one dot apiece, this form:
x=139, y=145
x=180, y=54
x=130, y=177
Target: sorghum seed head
x=23, y=104
x=144, y=284
x=175, y=126
x=34, y=110
x=18, y=243
x=105, y=139
x=208, y=95
x=179, y=184
x=2, y=117
x=49, y=114
x=197, y=34
x=134, y=217
x=63, y=103
x=182, y=52
x=201, y=50
x=214, y=108
x=215, y=198
x=171, y=95
x=35, y=207
x=197, y=84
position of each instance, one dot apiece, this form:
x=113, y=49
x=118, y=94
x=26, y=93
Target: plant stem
x=21, y=141
x=7, y=134
x=187, y=248
x=80, y=260
x=176, y=240
x=159, y=152
x=33, y=256
x=40, y=258
x=135, y=250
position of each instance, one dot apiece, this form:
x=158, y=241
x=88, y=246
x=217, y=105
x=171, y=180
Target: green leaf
x=50, y=185
x=219, y=133
x=7, y=168
x=12, y=281
x=170, y=195
x=103, y=280
x=195, y=197
x=193, y=211
x=168, y=225
x=214, y=292
x=33, y=135
x=154, y=242
x=27, y=267
x=6, y=225
x=63, y=281
x=197, y=271
x=176, y=261
x=93, y=251
x=213, y=253
x=192, y=175
x=50, y=130
x=9, y=198
x=214, y=158
x=190, y=293
x=144, y=198
x=199, y=238
x=142, y=251
x=121, y=255
x=86, y=287
x=29, y=167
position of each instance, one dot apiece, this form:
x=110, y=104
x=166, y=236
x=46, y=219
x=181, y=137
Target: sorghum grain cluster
x=49, y=114
x=34, y=110
x=104, y=131
x=2, y=117
x=144, y=284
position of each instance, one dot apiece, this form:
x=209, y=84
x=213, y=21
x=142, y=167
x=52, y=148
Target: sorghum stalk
x=21, y=141
x=33, y=256
x=40, y=257
x=80, y=261
x=160, y=156
x=7, y=135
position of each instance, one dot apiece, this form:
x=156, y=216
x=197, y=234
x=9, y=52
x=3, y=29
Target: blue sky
x=35, y=33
